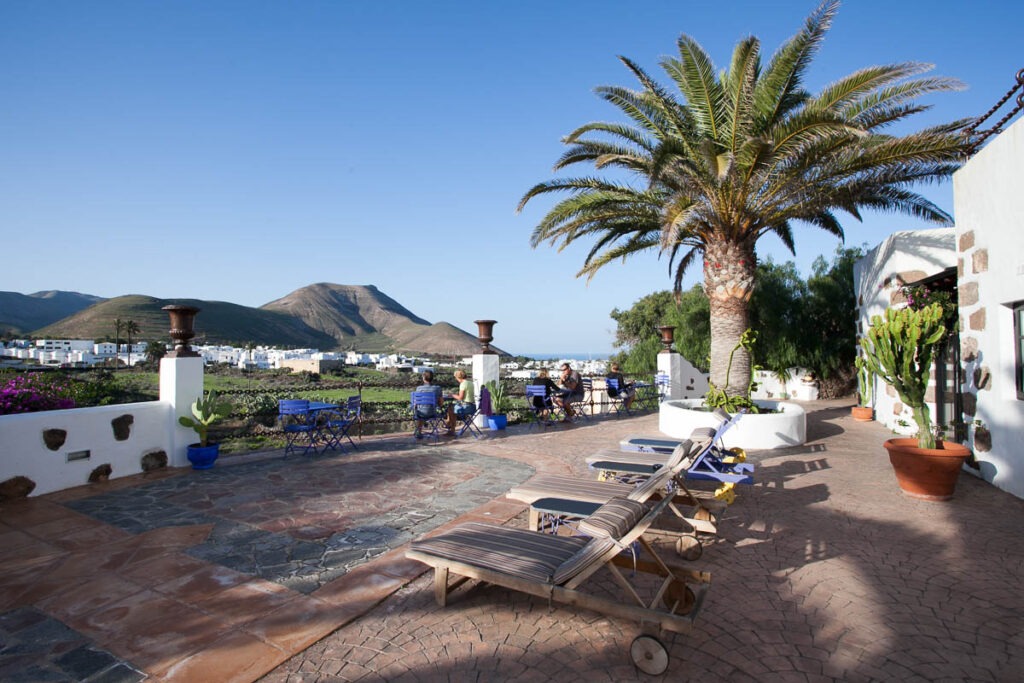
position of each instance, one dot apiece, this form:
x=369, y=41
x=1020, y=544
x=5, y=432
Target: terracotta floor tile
x=95, y=594
x=364, y=585
x=297, y=625
x=25, y=514
x=201, y=584
x=62, y=527
x=150, y=630
x=82, y=538
x=175, y=537
x=163, y=568
x=234, y=657
x=248, y=601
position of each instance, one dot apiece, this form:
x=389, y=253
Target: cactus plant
x=205, y=411
x=900, y=349
x=865, y=382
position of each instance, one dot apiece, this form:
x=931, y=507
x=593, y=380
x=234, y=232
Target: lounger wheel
x=649, y=655
x=678, y=597
x=725, y=493
x=689, y=547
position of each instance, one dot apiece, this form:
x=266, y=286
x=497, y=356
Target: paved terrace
x=294, y=571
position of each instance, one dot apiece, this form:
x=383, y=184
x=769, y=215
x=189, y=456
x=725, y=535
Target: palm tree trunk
x=729, y=282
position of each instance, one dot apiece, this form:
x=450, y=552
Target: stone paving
x=274, y=520
x=822, y=571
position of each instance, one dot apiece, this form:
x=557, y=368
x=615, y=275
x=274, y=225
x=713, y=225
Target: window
x=1018, y=337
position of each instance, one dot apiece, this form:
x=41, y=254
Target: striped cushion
x=702, y=433
x=613, y=519
x=521, y=553
x=583, y=559
x=678, y=453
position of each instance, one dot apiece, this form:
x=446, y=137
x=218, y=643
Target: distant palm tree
x=130, y=327
x=741, y=155
x=118, y=326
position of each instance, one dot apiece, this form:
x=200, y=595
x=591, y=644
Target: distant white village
x=84, y=353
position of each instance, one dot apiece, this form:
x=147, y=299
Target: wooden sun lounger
x=553, y=498
x=556, y=567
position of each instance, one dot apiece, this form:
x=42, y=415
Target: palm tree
x=741, y=155
x=130, y=327
x=118, y=326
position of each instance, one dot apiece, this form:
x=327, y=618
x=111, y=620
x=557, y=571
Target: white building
x=981, y=384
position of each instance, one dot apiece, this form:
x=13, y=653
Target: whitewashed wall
x=24, y=453
x=988, y=194
x=878, y=280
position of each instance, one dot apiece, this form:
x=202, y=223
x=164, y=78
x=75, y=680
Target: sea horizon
x=570, y=356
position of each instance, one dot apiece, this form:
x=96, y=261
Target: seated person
x=571, y=390
x=464, y=401
x=423, y=412
x=543, y=403
x=627, y=392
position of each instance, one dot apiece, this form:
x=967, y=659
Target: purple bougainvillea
x=32, y=393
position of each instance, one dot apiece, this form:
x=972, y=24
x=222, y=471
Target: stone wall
x=988, y=197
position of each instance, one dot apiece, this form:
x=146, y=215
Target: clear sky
x=238, y=151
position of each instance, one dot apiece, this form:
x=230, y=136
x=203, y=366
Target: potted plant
x=501, y=402
x=900, y=349
x=863, y=412
x=205, y=411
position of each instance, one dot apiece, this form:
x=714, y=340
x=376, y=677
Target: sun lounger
x=557, y=567
x=554, y=499
x=716, y=464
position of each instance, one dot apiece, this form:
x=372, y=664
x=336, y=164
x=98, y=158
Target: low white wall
x=753, y=431
x=769, y=386
x=23, y=451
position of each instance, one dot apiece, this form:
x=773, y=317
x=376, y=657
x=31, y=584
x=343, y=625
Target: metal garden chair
x=426, y=409
x=299, y=425
x=339, y=423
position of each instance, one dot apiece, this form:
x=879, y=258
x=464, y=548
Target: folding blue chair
x=578, y=401
x=468, y=420
x=300, y=430
x=615, y=396
x=339, y=423
x=538, y=394
x=664, y=385
x=425, y=408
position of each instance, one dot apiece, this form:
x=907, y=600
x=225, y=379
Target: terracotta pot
x=926, y=473
x=863, y=413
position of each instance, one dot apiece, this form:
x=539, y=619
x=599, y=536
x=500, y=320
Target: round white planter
x=753, y=431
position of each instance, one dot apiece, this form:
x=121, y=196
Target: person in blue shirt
x=425, y=411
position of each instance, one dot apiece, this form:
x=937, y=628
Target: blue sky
x=238, y=151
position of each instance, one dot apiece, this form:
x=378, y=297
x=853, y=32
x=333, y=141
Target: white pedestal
x=181, y=383
x=485, y=369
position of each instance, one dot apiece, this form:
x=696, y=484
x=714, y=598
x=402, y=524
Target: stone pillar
x=181, y=383
x=485, y=369
x=672, y=364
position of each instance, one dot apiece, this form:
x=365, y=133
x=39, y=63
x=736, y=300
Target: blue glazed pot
x=203, y=457
x=497, y=421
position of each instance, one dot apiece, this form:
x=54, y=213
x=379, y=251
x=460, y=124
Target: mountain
x=364, y=318
x=324, y=316
x=218, y=322
x=22, y=313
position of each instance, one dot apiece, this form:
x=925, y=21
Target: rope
x=982, y=136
